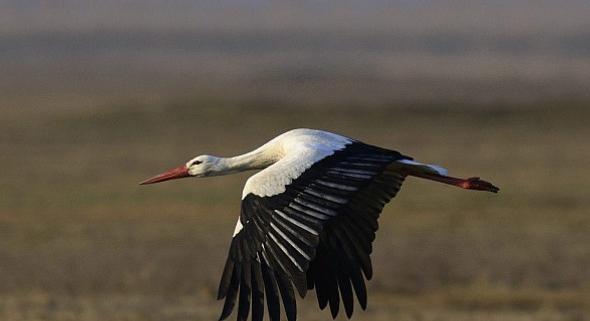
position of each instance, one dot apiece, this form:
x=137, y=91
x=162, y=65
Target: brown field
x=81, y=240
x=96, y=96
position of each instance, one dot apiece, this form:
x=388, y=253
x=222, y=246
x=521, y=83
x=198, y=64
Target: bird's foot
x=478, y=184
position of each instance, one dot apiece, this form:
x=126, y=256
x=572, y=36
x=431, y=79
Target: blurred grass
x=80, y=240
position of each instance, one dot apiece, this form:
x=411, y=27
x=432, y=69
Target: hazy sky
x=419, y=48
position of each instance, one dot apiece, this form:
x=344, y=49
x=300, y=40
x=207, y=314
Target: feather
x=272, y=294
x=257, y=292
x=288, y=297
x=245, y=292
x=230, y=299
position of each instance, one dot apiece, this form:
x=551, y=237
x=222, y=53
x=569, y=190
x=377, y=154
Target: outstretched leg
x=470, y=183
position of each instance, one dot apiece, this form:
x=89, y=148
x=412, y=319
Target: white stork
x=308, y=218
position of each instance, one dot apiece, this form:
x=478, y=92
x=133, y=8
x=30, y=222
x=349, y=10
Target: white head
x=200, y=166
x=204, y=165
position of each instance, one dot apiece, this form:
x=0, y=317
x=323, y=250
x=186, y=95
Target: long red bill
x=175, y=173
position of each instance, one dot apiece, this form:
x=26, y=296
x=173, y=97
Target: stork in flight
x=308, y=218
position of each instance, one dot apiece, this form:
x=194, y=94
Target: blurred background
x=96, y=96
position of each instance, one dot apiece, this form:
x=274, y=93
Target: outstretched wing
x=314, y=231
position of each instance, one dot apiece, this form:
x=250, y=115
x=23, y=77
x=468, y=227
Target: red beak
x=175, y=173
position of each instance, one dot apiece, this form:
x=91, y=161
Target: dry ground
x=80, y=240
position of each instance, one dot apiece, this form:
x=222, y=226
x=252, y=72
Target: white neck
x=259, y=158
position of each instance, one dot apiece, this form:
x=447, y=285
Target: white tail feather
x=434, y=169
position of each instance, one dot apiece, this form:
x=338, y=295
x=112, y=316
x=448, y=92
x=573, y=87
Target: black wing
x=316, y=234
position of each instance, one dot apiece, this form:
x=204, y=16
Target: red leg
x=470, y=183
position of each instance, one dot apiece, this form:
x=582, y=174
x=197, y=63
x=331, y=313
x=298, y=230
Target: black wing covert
x=317, y=234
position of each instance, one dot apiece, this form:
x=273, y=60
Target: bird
x=308, y=219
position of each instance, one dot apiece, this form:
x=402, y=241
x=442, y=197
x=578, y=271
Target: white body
x=289, y=155
x=293, y=152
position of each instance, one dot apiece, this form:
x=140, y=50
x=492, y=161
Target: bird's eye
x=197, y=162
